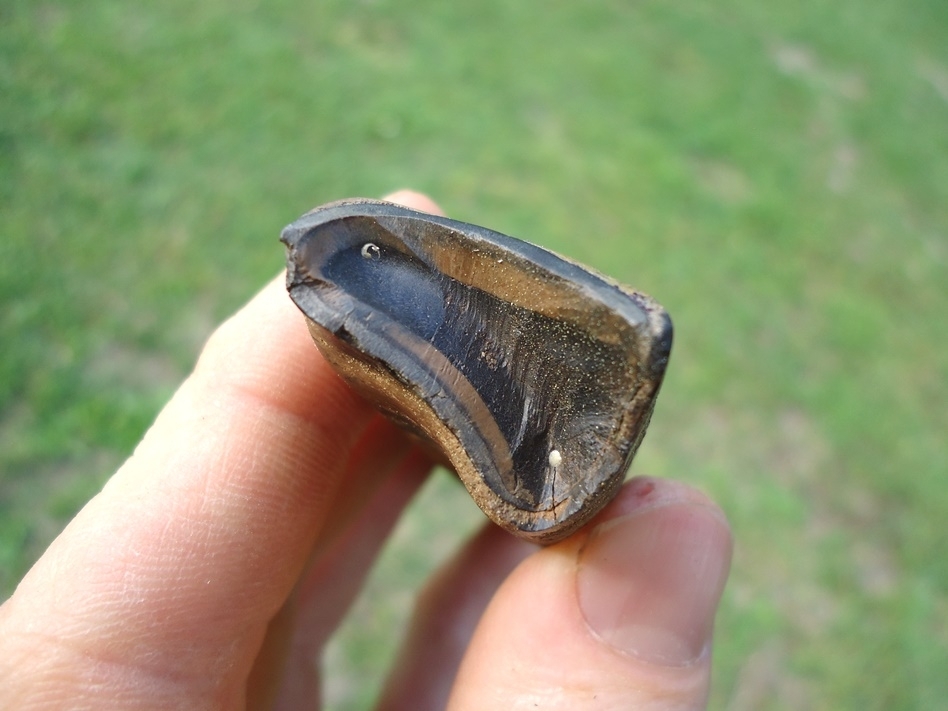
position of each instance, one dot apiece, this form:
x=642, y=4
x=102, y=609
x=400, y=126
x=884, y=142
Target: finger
x=416, y=200
x=338, y=566
x=193, y=543
x=162, y=587
x=446, y=614
x=616, y=617
x=297, y=635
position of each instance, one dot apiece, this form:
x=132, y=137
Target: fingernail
x=649, y=582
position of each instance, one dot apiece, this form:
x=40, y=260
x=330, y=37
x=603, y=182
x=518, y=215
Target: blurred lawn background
x=776, y=174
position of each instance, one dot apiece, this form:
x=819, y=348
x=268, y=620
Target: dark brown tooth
x=535, y=377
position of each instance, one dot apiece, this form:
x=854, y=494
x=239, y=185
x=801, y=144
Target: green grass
x=776, y=175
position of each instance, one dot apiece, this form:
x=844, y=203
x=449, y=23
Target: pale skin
x=218, y=561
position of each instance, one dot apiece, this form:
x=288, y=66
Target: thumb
x=619, y=617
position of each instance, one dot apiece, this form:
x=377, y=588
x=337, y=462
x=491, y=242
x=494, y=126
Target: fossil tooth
x=533, y=376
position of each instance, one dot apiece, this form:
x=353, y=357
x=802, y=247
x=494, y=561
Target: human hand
x=213, y=567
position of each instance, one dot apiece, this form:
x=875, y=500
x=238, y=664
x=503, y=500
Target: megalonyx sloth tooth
x=533, y=376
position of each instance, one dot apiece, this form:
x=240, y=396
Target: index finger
x=199, y=538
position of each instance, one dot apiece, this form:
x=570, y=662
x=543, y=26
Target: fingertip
x=645, y=492
x=624, y=609
x=651, y=573
x=414, y=200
